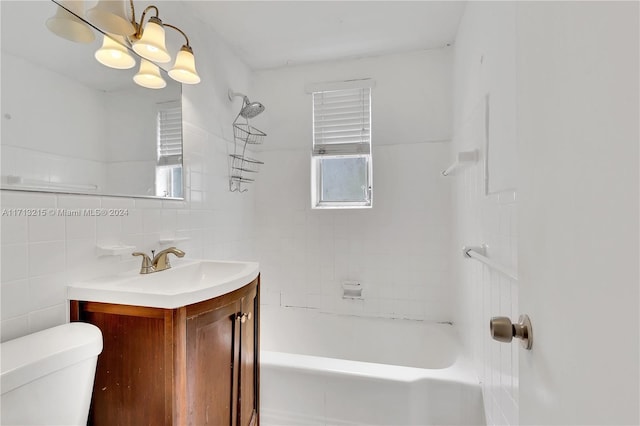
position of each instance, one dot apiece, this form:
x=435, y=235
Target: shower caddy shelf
x=243, y=166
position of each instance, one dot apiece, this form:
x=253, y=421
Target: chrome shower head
x=249, y=109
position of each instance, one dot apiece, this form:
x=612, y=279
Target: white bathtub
x=325, y=369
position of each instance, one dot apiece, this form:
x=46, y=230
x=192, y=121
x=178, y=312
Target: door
x=578, y=211
x=212, y=349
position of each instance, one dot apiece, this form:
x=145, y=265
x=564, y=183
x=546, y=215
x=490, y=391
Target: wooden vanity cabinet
x=193, y=365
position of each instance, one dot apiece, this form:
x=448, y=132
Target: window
x=169, y=166
x=341, y=160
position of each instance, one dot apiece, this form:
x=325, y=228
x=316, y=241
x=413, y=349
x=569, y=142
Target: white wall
x=398, y=249
x=485, y=64
x=40, y=255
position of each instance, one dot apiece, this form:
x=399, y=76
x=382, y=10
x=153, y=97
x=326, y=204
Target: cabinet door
x=133, y=383
x=248, y=404
x=212, y=347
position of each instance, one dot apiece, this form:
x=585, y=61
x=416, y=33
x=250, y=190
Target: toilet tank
x=47, y=377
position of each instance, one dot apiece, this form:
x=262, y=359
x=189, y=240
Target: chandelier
x=146, y=39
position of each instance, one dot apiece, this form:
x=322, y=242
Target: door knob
x=503, y=330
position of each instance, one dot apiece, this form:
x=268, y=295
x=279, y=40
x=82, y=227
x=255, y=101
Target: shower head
x=249, y=109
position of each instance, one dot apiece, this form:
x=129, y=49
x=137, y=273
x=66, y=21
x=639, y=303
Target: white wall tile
x=78, y=202
x=109, y=230
x=117, y=203
x=79, y=227
x=13, y=229
x=15, y=298
x=481, y=292
x=48, y=317
x=151, y=221
x=14, y=199
x=46, y=290
x=147, y=203
x=14, y=264
x=46, y=228
x=14, y=327
x=46, y=258
x=132, y=222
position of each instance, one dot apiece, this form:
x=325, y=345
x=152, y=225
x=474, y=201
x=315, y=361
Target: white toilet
x=47, y=377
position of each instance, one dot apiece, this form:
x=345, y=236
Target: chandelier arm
x=144, y=13
x=178, y=30
x=133, y=15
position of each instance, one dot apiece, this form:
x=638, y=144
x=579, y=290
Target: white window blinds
x=169, y=134
x=342, y=122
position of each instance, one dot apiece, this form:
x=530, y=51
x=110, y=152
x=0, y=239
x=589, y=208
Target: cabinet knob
x=243, y=317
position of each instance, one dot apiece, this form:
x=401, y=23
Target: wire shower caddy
x=243, y=167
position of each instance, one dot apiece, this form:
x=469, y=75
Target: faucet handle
x=145, y=268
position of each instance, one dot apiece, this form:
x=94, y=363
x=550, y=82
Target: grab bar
x=479, y=254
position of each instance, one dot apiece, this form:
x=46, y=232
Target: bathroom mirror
x=73, y=125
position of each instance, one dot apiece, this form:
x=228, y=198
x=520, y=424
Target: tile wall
x=397, y=250
x=481, y=292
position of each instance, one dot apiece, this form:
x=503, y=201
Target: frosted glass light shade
x=69, y=26
x=110, y=16
x=149, y=76
x=184, y=69
x=114, y=54
x=151, y=45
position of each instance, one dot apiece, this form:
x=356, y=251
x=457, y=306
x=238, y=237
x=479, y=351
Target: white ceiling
x=265, y=34
x=270, y=34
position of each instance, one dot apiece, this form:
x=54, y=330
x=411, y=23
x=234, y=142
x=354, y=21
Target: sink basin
x=185, y=283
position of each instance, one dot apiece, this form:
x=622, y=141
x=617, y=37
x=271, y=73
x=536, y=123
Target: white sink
x=185, y=283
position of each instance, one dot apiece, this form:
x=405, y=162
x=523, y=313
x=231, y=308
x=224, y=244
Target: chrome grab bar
x=479, y=254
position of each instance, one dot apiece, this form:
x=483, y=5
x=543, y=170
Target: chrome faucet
x=160, y=261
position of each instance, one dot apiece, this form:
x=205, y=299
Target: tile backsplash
x=41, y=254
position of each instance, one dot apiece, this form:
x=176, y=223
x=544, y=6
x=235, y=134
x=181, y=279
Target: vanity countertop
x=184, y=284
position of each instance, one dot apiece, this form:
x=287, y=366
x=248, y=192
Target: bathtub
x=327, y=369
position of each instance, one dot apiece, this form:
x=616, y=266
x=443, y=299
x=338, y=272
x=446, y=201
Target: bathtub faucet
x=160, y=261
